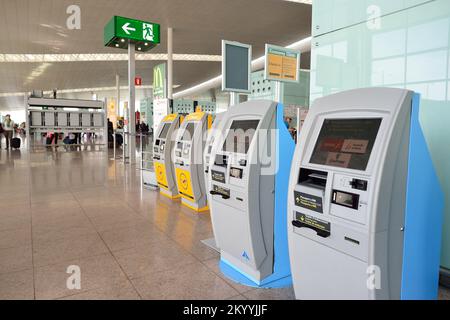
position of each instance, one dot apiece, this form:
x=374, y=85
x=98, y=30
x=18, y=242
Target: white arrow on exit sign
x=127, y=28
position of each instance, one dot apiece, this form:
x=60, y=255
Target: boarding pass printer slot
x=310, y=191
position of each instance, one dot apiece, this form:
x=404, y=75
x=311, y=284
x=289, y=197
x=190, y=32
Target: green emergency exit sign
x=119, y=31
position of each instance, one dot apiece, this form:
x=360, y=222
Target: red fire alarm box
x=138, y=81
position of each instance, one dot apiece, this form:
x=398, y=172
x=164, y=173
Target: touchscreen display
x=164, y=131
x=240, y=136
x=346, y=143
x=188, y=132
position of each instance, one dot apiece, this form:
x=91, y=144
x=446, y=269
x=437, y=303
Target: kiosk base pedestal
x=230, y=272
x=168, y=194
x=211, y=243
x=193, y=206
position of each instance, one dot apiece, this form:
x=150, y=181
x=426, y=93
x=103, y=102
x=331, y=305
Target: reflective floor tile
x=174, y=284
x=54, y=251
x=15, y=259
x=118, y=291
x=15, y=238
x=96, y=272
x=17, y=285
x=213, y=265
x=151, y=258
x=132, y=236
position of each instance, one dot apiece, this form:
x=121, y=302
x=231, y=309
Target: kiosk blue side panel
x=423, y=218
x=285, y=153
x=281, y=276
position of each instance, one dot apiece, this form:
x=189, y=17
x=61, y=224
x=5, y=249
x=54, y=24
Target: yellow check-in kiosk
x=163, y=146
x=188, y=160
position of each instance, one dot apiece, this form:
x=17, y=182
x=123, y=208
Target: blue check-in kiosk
x=365, y=204
x=248, y=179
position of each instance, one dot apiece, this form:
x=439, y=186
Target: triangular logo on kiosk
x=245, y=256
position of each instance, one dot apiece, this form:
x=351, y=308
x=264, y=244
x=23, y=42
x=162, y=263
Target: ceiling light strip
x=79, y=90
x=88, y=57
x=301, y=1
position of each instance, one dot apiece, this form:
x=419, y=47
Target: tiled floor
x=81, y=209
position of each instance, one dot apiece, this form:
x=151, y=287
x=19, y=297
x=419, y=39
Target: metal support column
x=132, y=101
x=105, y=124
x=169, y=63
x=27, y=123
x=234, y=98
x=117, y=94
x=279, y=88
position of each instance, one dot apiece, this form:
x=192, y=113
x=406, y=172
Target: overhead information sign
x=159, y=81
x=236, y=66
x=119, y=31
x=160, y=111
x=282, y=64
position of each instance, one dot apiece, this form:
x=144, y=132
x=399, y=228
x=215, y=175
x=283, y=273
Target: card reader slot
x=317, y=176
x=156, y=158
x=352, y=240
x=313, y=178
x=221, y=160
x=215, y=193
x=319, y=232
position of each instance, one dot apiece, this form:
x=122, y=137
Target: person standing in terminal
x=1, y=133
x=287, y=122
x=8, y=127
x=78, y=137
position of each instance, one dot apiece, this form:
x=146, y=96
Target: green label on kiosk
x=308, y=201
x=312, y=222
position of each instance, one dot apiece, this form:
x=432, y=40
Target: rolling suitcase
x=119, y=139
x=15, y=143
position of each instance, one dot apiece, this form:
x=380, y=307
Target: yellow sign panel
x=184, y=183
x=196, y=116
x=275, y=64
x=210, y=121
x=112, y=115
x=289, y=68
x=170, y=117
x=282, y=64
x=161, y=177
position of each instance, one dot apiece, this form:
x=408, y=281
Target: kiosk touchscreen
x=162, y=155
x=248, y=179
x=365, y=205
x=188, y=160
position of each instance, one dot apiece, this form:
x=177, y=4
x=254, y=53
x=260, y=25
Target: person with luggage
x=1, y=134
x=8, y=127
x=70, y=139
x=110, y=134
x=78, y=138
x=48, y=139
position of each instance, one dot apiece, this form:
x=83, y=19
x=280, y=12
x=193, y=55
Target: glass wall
x=408, y=48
